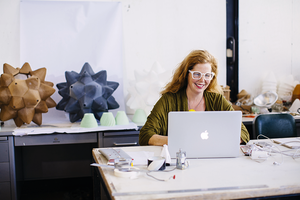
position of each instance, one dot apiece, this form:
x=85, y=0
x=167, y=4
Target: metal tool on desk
x=121, y=161
x=181, y=162
x=100, y=165
x=111, y=154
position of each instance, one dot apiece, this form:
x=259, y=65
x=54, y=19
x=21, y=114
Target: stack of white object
x=286, y=87
x=145, y=90
x=269, y=84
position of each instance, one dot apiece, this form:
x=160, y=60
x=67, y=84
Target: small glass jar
x=277, y=106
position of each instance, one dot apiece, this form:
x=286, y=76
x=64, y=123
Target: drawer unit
x=3, y=151
x=56, y=161
x=4, y=160
x=118, y=138
x=54, y=139
x=4, y=172
x=5, y=192
x=121, y=141
x=55, y=156
x=7, y=172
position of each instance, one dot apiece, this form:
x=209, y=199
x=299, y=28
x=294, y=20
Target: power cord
x=171, y=177
x=270, y=146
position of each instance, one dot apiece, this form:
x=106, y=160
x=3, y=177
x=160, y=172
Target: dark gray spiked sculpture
x=86, y=92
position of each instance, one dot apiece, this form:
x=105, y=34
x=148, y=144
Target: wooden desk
x=230, y=178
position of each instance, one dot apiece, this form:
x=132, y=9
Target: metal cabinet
x=7, y=168
x=118, y=138
x=54, y=139
x=55, y=156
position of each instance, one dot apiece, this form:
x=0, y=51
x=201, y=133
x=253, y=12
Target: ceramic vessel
x=121, y=118
x=88, y=121
x=139, y=117
x=107, y=119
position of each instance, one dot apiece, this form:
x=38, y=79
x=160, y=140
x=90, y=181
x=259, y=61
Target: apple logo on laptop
x=204, y=135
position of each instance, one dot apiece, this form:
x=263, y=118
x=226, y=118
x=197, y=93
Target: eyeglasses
x=198, y=75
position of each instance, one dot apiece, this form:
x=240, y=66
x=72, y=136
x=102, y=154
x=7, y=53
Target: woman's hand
x=158, y=140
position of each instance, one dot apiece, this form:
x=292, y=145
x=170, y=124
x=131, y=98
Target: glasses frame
x=192, y=72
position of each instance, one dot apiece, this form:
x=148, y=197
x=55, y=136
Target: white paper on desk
x=140, y=158
x=34, y=129
x=67, y=128
x=76, y=128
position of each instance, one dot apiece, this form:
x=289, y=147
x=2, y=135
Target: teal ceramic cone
x=88, y=121
x=139, y=117
x=107, y=119
x=121, y=118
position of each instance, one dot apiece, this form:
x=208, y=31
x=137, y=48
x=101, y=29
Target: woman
x=194, y=87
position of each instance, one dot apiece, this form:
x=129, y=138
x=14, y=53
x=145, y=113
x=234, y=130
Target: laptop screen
x=206, y=134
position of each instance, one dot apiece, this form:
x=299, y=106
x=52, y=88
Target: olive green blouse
x=157, y=121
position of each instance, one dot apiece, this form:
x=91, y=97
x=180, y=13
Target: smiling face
x=198, y=86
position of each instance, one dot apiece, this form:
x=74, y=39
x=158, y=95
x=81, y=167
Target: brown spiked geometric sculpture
x=25, y=100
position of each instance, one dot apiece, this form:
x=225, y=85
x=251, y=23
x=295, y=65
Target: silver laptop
x=209, y=134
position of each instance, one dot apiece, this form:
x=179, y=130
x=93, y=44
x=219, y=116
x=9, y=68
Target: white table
x=226, y=178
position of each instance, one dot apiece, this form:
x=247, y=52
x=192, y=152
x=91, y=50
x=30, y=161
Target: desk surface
x=229, y=178
x=48, y=128
x=9, y=127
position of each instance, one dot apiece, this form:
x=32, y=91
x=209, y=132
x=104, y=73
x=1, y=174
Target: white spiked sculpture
x=145, y=90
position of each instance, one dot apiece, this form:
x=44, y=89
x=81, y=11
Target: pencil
x=277, y=142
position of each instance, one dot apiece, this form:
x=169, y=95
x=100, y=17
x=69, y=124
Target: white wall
x=154, y=30
x=9, y=32
x=167, y=30
x=269, y=36
x=269, y=41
